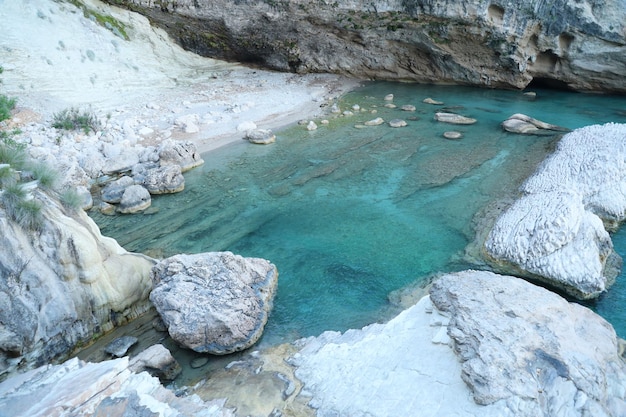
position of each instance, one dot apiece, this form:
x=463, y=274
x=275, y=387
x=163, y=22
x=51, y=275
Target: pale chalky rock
x=397, y=123
x=113, y=191
x=452, y=134
x=521, y=123
x=135, y=199
x=408, y=107
x=157, y=361
x=183, y=154
x=79, y=284
x=311, y=126
x=214, y=302
x=261, y=136
x=490, y=346
x=528, y=347
x=454, y=118
x=107, y=388
x=555, y=231
x=429, y=100
x=164, y=180
x=375, y=122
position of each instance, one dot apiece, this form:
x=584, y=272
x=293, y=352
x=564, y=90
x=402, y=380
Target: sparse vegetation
x=71, y=199
x=6, y=105
x=75, y=119
x=109, y=22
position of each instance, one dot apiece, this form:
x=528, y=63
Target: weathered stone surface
x=214, y=302
x=164, y=180
x=555, y=232
x=577, y=44
x=78, y=283
x=135, y=199
x=181, y=153
x=524, y=343
x=113, y=191
x=108, y=388
x=157, y=361
x=521, y=123
x=452, y=134
x=120, y=346
x=397, y=123
x=261, y=136
x=523, y=351
x=453, y=118
x=375, y=122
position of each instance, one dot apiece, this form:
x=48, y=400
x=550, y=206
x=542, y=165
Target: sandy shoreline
x=148, y=88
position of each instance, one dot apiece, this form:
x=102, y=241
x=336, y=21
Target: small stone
x=356, y=107
x=431, y=101
x=325, y=122
x=303, y=122
x=454, y=118
x=389, y=97
x=397, y=123
x=261, y=136
x=347, y=113
x=119, y=347
x=199, y=362
x=360, y=126
x=374, y=111
x=390, y=106
x=335, y=109
x=311, y=126
x=408, y=107
x=106, y=208
x=374, y=122
x=452, y=134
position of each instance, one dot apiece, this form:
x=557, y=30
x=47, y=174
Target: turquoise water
x=349, y=215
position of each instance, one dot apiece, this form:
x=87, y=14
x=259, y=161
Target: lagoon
x=350, y=215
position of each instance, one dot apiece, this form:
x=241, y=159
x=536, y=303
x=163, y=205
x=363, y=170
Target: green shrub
x=28, y=214
x=43, y=173
x=6, y=105
x=74, y=119
x=12, y=154
x=71, y=199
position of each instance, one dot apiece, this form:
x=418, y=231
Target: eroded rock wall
x=570, y=44
x=61, y=285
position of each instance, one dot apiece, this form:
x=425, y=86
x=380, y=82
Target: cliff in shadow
x=579, y=45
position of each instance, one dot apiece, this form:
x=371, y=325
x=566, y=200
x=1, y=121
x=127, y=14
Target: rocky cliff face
x=570, y=44
x=61, y=285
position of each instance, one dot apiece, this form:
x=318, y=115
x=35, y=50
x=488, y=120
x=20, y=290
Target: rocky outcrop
x=214, y=302
x=63, y=284
x=157, y=361
x=579, y=45
x=108, y=388
x=183, y=154
x=555, y=232
x=494, y=346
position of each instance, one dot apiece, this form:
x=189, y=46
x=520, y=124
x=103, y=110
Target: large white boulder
x=555, y=231
x=214, y=302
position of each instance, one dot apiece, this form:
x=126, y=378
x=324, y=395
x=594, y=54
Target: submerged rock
x=521, y=123
x=119, y=347
x=214, y=302
x=454, y=118
x=555, y=231
x=375, y=122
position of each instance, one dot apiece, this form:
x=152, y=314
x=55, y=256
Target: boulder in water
x=454, y=118
x=261, y=136
x=113, y=191
x=135, y=199
x=521, y=123
x=164, y=180
x=214, y=302
x=157, y=361
x=181, y=153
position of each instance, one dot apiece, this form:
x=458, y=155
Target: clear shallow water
x=349, y=215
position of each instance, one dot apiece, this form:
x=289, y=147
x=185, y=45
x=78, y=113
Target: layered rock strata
x=63, y=284
x=579, y=45
x=555, y=232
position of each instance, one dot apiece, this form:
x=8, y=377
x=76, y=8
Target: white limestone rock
x=108, y=388
x=510, y=349
x=78, y=283
x=136, y=198
x=521, y=123
x=164, y=180
x=261, y=136
x=214, y=302
x=157, y=361
x=528, y=347
x=113, y=191
x=182, y=153
x=454, y=118
x=555, y=231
